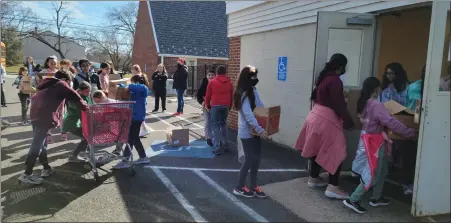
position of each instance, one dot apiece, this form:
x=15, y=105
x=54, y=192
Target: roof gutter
x=194, y=57
x=153, y=28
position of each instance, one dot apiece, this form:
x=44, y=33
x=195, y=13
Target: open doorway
x=403, y=37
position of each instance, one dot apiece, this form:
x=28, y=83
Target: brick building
x=168, y=30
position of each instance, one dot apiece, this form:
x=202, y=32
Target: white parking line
x=179, y=196
x=222, y=170
x=232, y=198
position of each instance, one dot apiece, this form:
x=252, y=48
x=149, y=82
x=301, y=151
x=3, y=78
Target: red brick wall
x=144, y=48
x=233, y=71
x=171, y=64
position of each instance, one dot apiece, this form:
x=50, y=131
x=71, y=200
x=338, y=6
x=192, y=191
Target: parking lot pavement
x=182, y=184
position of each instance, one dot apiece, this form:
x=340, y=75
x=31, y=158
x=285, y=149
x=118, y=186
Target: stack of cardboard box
x=116, y=92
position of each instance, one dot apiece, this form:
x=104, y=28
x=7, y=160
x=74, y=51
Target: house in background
x=195, y=31
x=39, y=51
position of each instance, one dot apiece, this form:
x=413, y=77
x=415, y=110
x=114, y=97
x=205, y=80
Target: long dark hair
x=46, y=63
x=423, y=73
x=244, y=85
x=336, y=61
x=400, y=82
x=369, y=85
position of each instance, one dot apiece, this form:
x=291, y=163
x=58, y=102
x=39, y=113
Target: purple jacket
x=375, y=117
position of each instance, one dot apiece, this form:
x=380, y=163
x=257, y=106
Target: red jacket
x=49, y=97
x=219, y=92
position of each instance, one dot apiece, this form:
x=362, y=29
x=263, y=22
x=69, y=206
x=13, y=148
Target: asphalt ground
x=180, y=184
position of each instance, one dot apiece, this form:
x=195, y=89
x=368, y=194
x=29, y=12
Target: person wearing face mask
x=159, y=78
x=218, y=100
x=322, y=139
x=180, y=84
x=51, y=93
x=394, y=84
x=200, y=98
x=245, y=100
x=374, y=145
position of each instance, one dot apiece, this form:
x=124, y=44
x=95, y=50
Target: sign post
x=282, y=69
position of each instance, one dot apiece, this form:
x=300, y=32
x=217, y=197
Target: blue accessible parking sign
x=282, y=69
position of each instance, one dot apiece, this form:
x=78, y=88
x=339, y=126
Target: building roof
x=195, y=28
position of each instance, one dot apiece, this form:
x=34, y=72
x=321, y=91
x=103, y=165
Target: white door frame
x=431, y=192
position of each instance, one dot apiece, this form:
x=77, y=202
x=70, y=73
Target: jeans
x=134, y=140
x=25, y=103
x=180, y=102
x=315, y=169
x=378, y=181
x=252, y=152
x=37, y=149
x=160, y=95
x=207, y=118
x=3, y=101
x=82, y=145
x=219, y=125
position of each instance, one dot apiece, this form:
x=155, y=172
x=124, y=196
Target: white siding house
x=39, y=51
x=371, y=34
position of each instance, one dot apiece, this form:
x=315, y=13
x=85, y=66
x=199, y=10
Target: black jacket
x=159, y=82
x=93, y=79
x=180, y=78
x=202, y=91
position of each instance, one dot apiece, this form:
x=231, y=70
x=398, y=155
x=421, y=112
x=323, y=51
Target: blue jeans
x=219, y=126
x=37, y=148
x=180, y=102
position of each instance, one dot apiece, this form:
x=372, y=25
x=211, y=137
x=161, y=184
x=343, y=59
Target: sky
x=83, y=12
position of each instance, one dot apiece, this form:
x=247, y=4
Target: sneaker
x=379, y=202
x=209, y=142
x=218, y=152
x=336, y=192
x=163, y=111
x=176, y=114
x=64, y=136
x=243, y=191
x=47, y=172
x=408, y=189
x=25, y=123
x=124, y=164
x=155, y=110
x=317, y=182
x=259, y=193
x=144, y=160
x=49, y=140
x=30, y=179
x=76, y=159
x=355, y=206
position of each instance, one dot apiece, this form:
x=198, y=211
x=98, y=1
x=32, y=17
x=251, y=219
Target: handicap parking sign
x=282, y=69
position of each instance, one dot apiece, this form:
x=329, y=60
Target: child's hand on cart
x=84, y=106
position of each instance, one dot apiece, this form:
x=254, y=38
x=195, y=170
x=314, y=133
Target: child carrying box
x=23, y=83
x=371, y=161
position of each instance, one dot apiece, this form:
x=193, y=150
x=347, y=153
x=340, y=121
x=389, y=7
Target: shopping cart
x=106, y=125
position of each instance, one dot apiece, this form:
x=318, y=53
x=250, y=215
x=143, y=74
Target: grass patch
x=13, y=69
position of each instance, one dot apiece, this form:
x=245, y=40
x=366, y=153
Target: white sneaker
x=144, y=160
x=76, y=159
x=124, y=164
x=30, y=179
x=47, y=172
x=336, y=192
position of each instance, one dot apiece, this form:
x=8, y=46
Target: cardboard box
x=115, y=76
x=402, y=114
x=177, y=136
x=25, y=85
x=114, y=92
x=351, y=104
x=268, y=118
x=122, y=94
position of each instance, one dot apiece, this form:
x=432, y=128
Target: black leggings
x=134, y=140
x=252, y=154
x=315, y=169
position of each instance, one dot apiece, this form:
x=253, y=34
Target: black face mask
x=342, y=70
x=254, y=81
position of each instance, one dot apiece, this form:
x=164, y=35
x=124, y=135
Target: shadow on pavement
x=21, y=202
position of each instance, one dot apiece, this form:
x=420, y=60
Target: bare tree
x=124, y=17
x=55, y=42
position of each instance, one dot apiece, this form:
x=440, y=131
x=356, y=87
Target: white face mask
x=343, y=77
